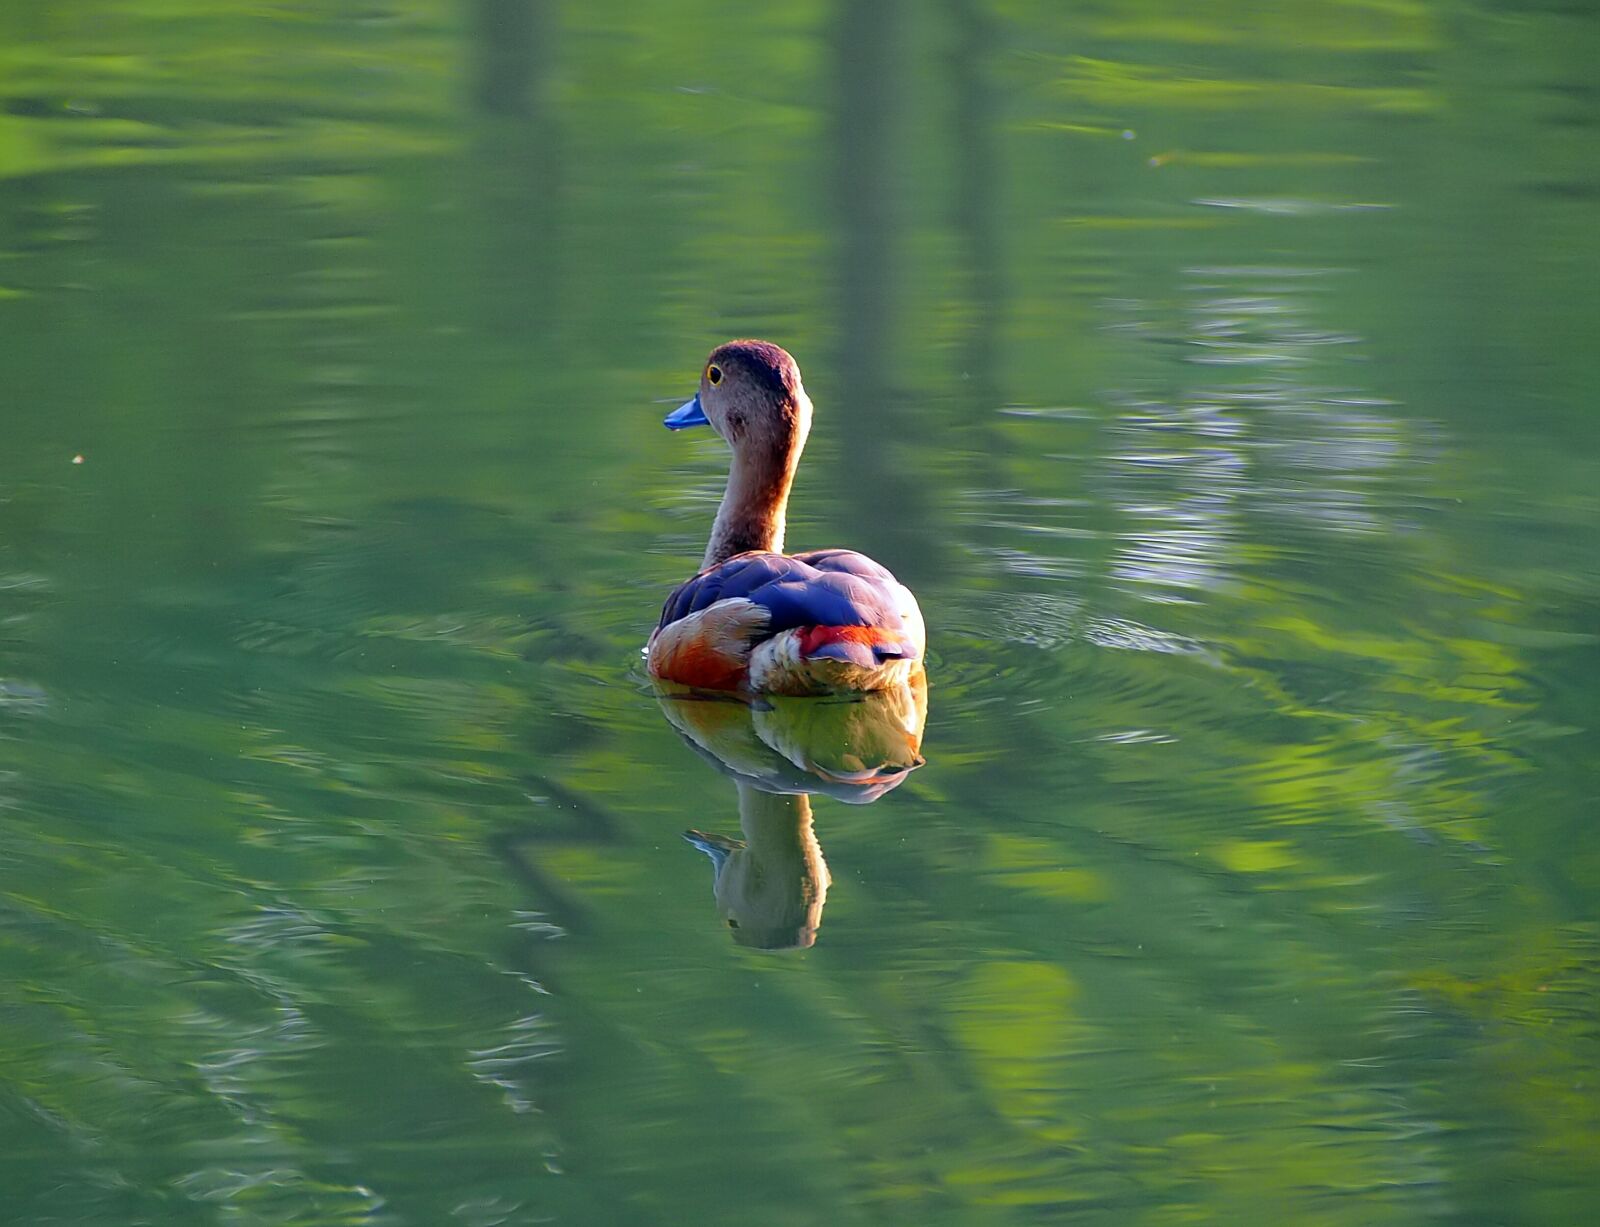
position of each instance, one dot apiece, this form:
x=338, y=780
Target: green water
x=1221, y=377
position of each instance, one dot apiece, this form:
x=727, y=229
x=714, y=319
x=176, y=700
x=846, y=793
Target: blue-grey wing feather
x=817, y=588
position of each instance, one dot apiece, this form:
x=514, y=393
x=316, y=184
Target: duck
x=753, y=618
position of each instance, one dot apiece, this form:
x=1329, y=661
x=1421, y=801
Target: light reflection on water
x=1222, y=393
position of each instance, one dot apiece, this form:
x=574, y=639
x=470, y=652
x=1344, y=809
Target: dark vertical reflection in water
x=517, y=169
x=866, y=49
x=977, y=188
x=881, y=494
x=512, y=46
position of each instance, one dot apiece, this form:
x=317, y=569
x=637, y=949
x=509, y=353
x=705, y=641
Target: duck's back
x=825, y=620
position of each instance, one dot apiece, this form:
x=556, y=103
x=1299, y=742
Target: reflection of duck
x=754, y=617
x=771, y=885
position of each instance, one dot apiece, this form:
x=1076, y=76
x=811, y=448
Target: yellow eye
x=714, y=374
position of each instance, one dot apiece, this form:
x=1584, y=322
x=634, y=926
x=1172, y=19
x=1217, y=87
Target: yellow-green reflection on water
x=1221, y=381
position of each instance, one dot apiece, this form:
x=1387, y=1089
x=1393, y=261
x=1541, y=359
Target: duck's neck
x=751, y=516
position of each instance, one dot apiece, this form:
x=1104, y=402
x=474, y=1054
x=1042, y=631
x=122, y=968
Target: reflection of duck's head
x=770, y=886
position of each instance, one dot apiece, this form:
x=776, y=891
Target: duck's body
x=754, y=617
x=823, y=621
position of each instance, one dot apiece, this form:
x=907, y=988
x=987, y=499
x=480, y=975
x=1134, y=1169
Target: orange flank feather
x=697, y=663
x=710, y=648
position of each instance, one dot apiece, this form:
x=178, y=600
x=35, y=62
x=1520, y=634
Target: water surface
x=1222, y=381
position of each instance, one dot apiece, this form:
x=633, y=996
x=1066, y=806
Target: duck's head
x=751, y=395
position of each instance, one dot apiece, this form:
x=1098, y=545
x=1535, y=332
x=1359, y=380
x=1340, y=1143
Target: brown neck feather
x=751, y=516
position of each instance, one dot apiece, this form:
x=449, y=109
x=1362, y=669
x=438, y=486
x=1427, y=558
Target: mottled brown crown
x=768, y=365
